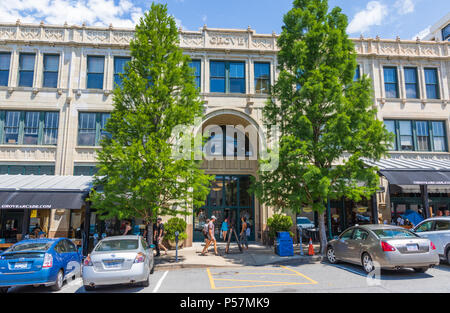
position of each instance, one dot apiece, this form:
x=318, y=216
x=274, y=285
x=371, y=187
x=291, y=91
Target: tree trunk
x=322, y=234
x=150, y=230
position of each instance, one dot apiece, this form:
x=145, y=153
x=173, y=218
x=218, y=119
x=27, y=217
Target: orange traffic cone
x=310, y=248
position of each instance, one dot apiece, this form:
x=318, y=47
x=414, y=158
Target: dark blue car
x=39, y=262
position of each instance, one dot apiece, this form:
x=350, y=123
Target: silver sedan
x=118, y=260
x=384, y=246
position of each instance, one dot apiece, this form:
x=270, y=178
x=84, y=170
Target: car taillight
x=48, y=261
x=140, y=258
x=433, y=247
x=387, y=247
x=87, y=261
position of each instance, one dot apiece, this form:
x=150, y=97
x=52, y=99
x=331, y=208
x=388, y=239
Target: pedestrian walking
x=205, y=230
x=243, y=234
x=211, y=237
x=224, y=229
x=127, y=230
x=158, y=235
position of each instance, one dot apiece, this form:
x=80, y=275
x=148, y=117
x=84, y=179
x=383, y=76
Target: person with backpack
x=205, y=230
x=244, y=232
x=211, y=237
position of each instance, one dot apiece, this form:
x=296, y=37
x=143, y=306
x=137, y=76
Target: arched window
x=223, y=143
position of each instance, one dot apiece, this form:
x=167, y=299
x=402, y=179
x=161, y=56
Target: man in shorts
x=211, y=237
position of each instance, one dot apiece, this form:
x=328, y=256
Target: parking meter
x=176, y=245
x=300, y=236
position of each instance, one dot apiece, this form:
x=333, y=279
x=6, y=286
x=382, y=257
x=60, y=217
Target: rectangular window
x=390, y=82
x=423, y=136
x=95, y=72
x=446, y=33
x=51, y=122
x=196, y=65
x=217, y=69
x=5, y=60
x=12, y=120
x=83, y=170
x=411, y=85
x=27, y=169
x=119, y=68
x=26, y=69
x=262, y=78
x=29, y=127
x=406, y=136
x=237, y=77
x=357, y=73
x=432, y=83
x=390, y=126
x=227, y=77
x=439, y=135
x=418, y=135
x=51, y=67
x=91, y=128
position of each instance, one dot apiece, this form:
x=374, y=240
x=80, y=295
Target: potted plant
x=173, y=225
x=278, y=222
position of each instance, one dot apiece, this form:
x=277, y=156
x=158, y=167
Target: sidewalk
x=256, y=255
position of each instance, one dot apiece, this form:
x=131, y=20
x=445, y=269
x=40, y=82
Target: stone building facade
x=46, y=69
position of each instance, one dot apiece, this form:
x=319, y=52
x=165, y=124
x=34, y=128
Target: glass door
x=228, y=198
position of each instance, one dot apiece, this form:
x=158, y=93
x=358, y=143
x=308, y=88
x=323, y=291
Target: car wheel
x=420, y=269
x=146, y=282
x=367, y=263
x=153, y=268
x=4, y=289
x=448, y=256
x=88, y=288
x=331, y=256
x=59, y=281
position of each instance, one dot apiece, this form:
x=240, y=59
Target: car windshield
x=303, y=221
x=393, y=233
x=31, y=246
x=117, y=245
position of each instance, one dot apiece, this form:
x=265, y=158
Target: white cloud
x=422, y=33
x=373, y=14
x=121, y=13
x=404, y=6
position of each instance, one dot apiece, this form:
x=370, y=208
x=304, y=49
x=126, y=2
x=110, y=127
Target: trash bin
x=284, y=245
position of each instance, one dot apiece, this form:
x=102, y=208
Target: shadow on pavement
x=402, y=274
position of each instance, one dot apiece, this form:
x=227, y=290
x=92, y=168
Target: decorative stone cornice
x=206, y=39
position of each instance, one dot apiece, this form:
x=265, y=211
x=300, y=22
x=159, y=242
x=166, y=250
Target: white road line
x=349, y=270
x=160, y=282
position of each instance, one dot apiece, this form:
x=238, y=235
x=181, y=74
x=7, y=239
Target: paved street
x=306, y=278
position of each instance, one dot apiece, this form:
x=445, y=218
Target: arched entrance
x=229, y=196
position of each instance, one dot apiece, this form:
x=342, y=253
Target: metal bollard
x=300, y=235
x=176, y=245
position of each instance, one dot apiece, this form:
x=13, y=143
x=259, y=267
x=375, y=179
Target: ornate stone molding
x=208, y=38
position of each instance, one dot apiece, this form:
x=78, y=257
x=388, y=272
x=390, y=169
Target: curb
x=296, y=261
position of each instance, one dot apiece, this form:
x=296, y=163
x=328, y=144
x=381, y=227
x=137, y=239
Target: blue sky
x=386, y=18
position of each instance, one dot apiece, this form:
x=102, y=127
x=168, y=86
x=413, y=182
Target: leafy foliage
x=279, y=222
x=327, y=121
x=175, y=224
x=136, y=169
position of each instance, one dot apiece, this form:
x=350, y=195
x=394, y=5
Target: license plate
x=20, y=265
x=113, y=263
x=412, y=247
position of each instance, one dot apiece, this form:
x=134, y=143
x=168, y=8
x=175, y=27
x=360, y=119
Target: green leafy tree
x=327, y=120
x=139, y=176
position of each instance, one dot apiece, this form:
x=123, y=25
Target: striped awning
x=44, y=192
x=402, y=164
x=404, y=172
